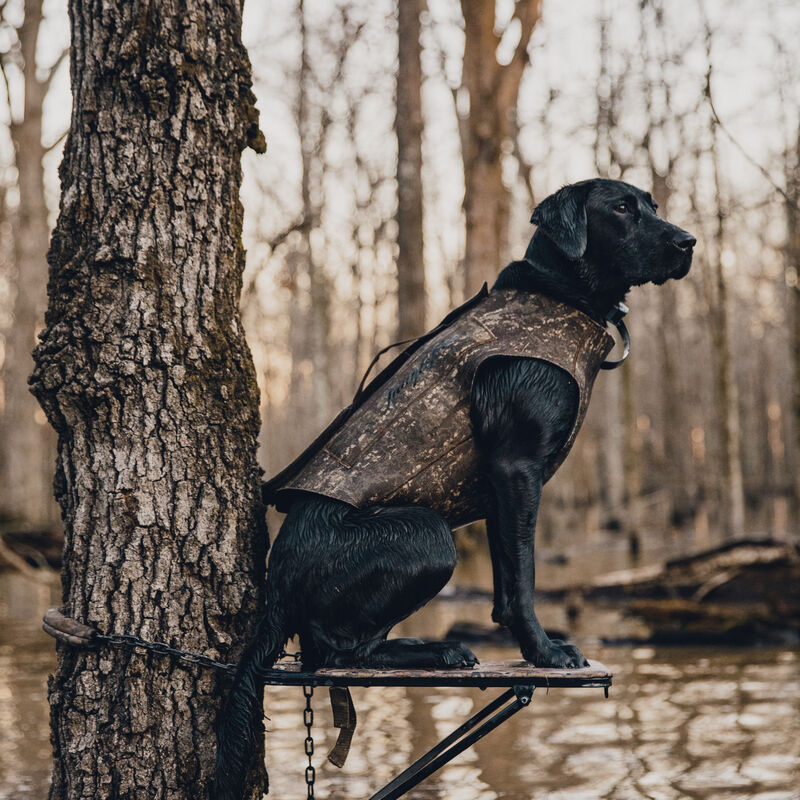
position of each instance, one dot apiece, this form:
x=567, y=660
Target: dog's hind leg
x=371, y=569
x=400, y=653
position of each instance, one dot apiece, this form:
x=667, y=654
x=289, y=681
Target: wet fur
x=340, y=578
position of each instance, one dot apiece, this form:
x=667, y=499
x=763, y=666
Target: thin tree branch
x=47, y=148
x=283, y=235
x=54, y=68
x=709, y=96
x=525, y=167
x=508, y=78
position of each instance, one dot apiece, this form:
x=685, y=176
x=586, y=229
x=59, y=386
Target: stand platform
x=519, y=678
x=483, y=676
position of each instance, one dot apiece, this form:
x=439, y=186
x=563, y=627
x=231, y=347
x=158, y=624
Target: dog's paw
x=454, y=655
x=557, y=654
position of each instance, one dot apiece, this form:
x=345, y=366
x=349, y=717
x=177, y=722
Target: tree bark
x=28, y=445
x=145, y=375
x=408, y=127
x=493, y=89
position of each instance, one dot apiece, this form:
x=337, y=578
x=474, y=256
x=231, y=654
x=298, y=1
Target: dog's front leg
x=517, y=487
x=502, y=571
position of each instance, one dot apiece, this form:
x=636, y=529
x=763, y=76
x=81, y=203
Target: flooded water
x=711, y=724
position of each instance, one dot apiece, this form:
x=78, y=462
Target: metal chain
x=133, y=642
x=308, y=720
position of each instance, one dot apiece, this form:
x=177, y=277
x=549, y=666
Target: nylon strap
x=344, y=718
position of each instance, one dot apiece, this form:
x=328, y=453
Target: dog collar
x=615, y=318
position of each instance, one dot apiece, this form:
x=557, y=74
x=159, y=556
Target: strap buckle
x=615, y=318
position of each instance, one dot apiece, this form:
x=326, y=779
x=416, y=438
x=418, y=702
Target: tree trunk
x=28, y=445
x=727, y=394
x=408, y=126
x=792, y=252
x=144, y=373
x=621, y=441
x=317, y=318
x=668, y=333
x=674, y=428
x=613, y=450
x=493, y=89
x=632, y=460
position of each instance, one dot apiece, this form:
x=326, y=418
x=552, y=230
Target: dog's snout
x=684, y=241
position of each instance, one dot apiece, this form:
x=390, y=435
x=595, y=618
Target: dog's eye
x=622, y=208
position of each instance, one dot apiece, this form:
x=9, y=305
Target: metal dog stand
x=519, y=679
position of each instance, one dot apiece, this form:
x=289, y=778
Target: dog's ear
x=562, y=218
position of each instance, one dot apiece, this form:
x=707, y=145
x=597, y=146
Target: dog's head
x=613, y=231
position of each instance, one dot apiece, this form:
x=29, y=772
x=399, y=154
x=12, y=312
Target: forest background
x=408, y=144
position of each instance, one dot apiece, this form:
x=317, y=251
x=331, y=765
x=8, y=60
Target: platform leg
x=459, y=740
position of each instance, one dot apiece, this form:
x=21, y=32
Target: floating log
x=740, y=590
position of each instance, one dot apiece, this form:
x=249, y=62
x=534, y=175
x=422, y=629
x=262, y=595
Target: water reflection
x=26, y=659
x=680, y=723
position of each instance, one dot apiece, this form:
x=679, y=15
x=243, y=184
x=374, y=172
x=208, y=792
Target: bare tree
x=621, y=478
x=726, y=387
x=408, y=126
x=492, y=89
x=28, y=445
x=334, y=251
x=792, y=256
x=144, y=373
x=318, y=317
x=656, y=55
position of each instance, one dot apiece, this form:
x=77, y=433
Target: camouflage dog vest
x=406, y=438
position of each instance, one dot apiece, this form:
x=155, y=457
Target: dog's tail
x=242, y=716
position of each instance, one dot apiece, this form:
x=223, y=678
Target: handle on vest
x=443, y=324
x=375, y=361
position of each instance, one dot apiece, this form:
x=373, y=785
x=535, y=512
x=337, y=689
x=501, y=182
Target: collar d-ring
x=615, y=318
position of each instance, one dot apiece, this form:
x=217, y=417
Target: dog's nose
x=684, y=241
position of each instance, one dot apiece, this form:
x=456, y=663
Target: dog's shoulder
x=514, y=276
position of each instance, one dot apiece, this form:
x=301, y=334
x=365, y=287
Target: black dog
x=341, y=577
